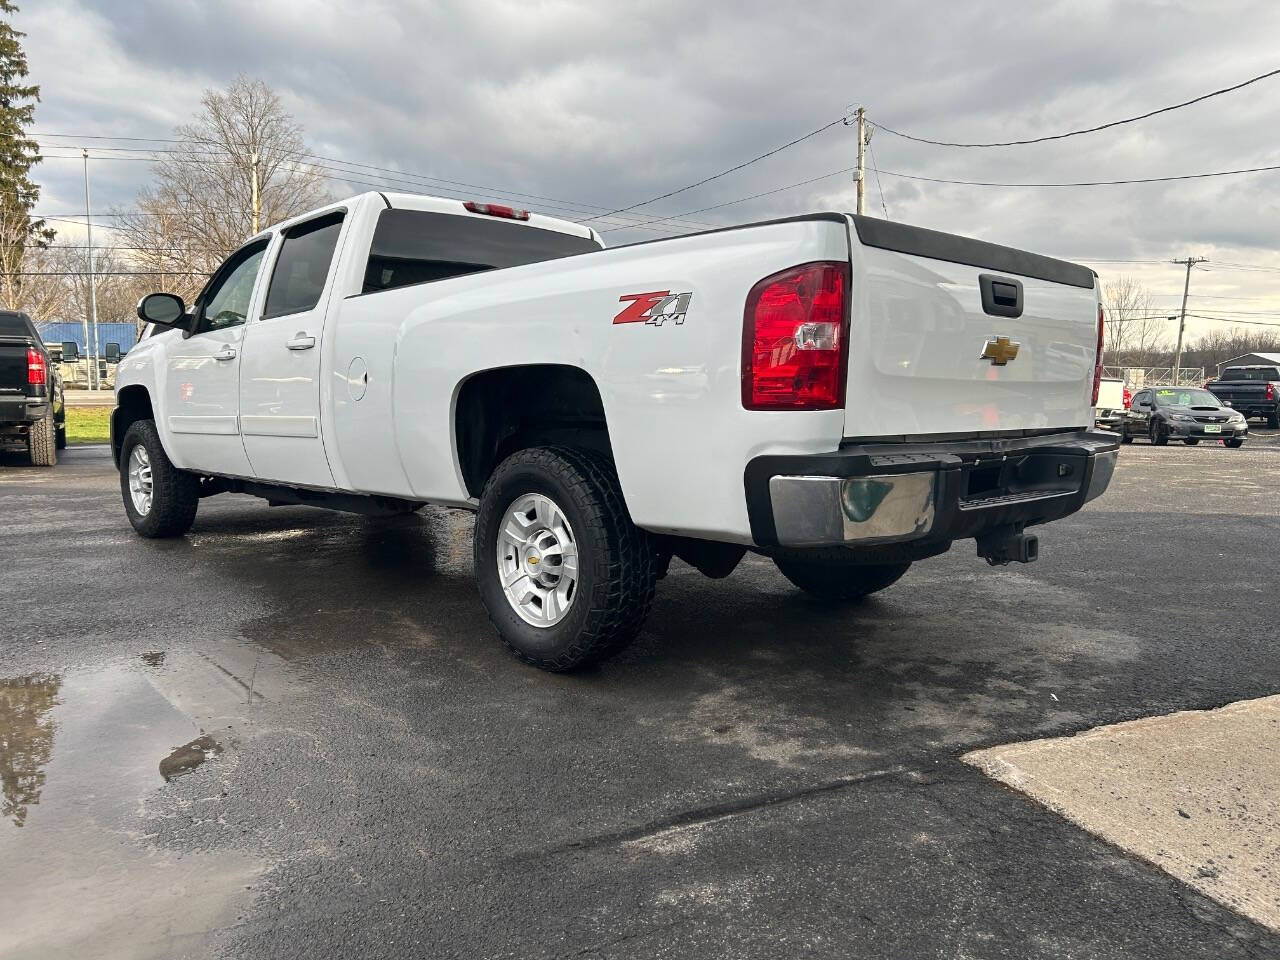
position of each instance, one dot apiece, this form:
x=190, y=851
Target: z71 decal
x=654, y=308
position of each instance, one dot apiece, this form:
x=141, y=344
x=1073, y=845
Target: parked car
x=1113, y=401
x=843, y=394
x=1253, y=390
x=31, y=400
x=1189, y=414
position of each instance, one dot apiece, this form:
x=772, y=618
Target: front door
x=202, y=372
x=280, y=379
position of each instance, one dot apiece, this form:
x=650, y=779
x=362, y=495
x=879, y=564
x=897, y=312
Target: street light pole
x=91, y=348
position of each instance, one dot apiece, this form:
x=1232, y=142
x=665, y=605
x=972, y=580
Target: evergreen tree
x=18, y=154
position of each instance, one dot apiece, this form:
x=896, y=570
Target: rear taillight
x=37, y=372
x=497, y=210
x=1271, y=391
x=793, y=339
x=1128, y=398
x=1097, y=360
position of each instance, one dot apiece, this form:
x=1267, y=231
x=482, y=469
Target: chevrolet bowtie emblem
x=1000, y=351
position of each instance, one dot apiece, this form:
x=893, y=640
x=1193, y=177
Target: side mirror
x=70, y=351
x=162, y=309
x=113, y=352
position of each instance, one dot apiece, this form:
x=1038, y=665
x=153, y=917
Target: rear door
x=280, y=378
x=951, y=335
x=202, y=371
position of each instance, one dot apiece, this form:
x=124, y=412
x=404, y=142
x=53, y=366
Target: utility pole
x=90, y=347
x=862, y=160
x=257, y=198
x=1182, y=322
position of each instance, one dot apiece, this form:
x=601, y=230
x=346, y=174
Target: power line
x=1094, y=129
x=722, y=173
x=214, y=151
x=729, y=203
x=1090, y=183
x=876, y=168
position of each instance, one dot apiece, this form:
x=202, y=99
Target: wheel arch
x=133, y=403
x=504, y=409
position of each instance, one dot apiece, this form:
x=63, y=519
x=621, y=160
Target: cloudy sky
x=598, y=105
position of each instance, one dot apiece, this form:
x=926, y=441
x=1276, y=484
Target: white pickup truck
x=842, y=394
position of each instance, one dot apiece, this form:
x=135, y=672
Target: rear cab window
x=16, y=325
x=1266, y=374
x=419, y=246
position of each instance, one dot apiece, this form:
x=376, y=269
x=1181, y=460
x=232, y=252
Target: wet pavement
x=292, y=734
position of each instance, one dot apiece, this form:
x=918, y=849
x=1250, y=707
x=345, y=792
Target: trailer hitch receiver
x=1008, y=546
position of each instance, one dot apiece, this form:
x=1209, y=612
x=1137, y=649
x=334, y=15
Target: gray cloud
x=608, y=103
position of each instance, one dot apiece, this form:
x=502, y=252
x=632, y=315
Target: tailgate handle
x=1001, y=296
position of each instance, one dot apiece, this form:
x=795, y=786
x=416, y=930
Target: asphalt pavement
x=293, y=734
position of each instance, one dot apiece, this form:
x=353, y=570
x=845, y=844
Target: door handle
x=226, y=353
x=301, y=341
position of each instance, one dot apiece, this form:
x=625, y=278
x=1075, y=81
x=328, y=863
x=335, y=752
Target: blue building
x=125, y=334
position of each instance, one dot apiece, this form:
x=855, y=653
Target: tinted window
x=1140, y=399
x=13, y=325
x=1269, y=374
x=303, y=266
x=226, y=299
x=416, y=246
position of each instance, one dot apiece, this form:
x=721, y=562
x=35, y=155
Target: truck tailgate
x=1239, y=391
x=13, y=366
x=920, y=324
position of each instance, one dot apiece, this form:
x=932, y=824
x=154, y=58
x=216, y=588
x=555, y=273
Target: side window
x=1140, y=399
x=302, y=266
x=225, y=303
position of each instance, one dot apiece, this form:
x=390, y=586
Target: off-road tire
x=175, y=494
x=1234, y=443
x=829, y=576
x=617, y=562
x=42, y=441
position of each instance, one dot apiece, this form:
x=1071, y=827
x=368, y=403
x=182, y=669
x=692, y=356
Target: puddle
x=80, y=756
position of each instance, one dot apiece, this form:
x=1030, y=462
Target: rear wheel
x=1273, y=420
x=565, y=576
x=159, y=499
x=831, y=577
x=62, y=436
x=1126, y=438
x=42, y=441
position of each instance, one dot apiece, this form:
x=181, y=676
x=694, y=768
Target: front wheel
x=1191, y=441
x=1235, y=443
x=1159, y=433
x=564, y=575
x=159, y=499
x=836, y=580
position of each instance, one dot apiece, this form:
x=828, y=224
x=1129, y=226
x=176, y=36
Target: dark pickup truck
x=31, y=401
x=1254, y=391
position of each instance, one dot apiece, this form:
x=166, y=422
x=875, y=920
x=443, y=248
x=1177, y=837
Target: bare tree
x=1135, y=330
x=1225, y=344
x=200, y=207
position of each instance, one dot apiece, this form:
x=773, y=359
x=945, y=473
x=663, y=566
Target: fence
x=1136, y=378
